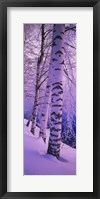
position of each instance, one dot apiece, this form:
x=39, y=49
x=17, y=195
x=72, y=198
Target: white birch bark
x=34, y=112
x=57, y=90
x=45, y=108
x=35, y=107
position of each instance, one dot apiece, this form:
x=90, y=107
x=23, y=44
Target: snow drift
x=38, y=162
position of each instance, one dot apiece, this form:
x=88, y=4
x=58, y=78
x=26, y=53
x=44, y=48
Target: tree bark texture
x=45, y=108
x=57, y=90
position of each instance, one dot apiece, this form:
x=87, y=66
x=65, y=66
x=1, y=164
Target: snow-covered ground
x=38, y=162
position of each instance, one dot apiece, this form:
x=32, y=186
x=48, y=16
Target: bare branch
x=42, y=82
x=70, y=45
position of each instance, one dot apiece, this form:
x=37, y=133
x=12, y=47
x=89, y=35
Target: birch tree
x=40, y=66
x=68, y=131
x=57, y=90
x=37, y=86
x=45, y=108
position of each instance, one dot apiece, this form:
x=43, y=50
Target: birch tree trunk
x=34, y=112
x=45, y=108
x=35, y=107
x=57, y=90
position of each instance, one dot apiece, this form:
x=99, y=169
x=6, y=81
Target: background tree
x=45, y=107
x=40, y=75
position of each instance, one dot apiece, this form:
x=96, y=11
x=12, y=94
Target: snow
x=38, y=162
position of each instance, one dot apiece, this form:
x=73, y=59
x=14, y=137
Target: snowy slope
x=38, y=162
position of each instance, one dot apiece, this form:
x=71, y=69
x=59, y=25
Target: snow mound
x=38, y=162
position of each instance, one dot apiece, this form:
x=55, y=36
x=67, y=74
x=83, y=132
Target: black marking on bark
x=54, y=129
x=54, y=150
x=55, y=140
x=51, y=134
x=33, y=118
x=57, y=145
x=58, y=116
x=57, y=69
x=62, y=33
x=57, y=87
x=57, y=83
x=33, y=130
x=54, y=94
x=44, y=139
x=43, y=136
x=54, y=44
x=59, y=52
x=60, y=92
x=43, y=114
x=28, y=123
x=48, y=86
x=54, y=147
x=60, y=99
x=62, y=62
x=54, y=59
x=58, y=37
x=53, y=120
x=41, y=132
x=56, y=105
